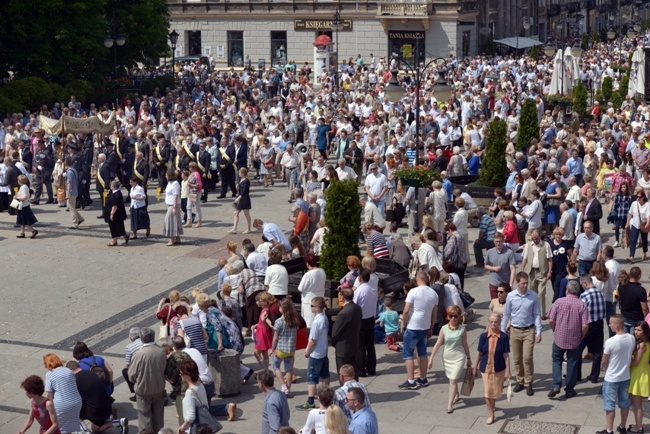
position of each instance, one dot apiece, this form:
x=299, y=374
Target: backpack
x=99, y=370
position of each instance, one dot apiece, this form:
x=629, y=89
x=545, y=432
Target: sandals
x=630, y=260
x=126, y=240
x=246, y=232
x=171, y=243
x=232, y=231
x=111, y=244
x=20, y=236
x=34, y=233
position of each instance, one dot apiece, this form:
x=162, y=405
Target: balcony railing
x=404, y=9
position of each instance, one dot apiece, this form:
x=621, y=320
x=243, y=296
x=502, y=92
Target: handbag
x=16, y=204
x=203, y=416
x=390, y=215
x=468, y=383
x=466, y=298
x=193, y=197
x=269, y=164
x=163, y=332
x=645, y=224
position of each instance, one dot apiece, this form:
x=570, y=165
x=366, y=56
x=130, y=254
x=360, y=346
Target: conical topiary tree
x=494, y=168
x=528, y=125
x=607, y=88
x=580, y=96
x=342, y=218
x=533, y=53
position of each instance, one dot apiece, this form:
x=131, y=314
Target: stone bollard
x=224, y=366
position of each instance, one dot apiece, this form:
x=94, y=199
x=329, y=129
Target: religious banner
x=69, y=124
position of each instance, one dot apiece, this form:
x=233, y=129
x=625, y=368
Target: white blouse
x=138, y=197
x=173, y=189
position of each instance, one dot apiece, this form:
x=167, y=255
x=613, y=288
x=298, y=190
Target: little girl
x=262, y=333
x=185, y=193
x=284, y=343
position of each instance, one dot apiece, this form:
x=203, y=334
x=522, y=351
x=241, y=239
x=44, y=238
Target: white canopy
x=519, y=42
x=565, y=72
x=69, y=124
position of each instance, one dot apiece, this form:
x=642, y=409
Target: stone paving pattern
x=68, y=285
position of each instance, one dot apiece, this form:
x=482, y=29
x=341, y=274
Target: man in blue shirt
x=364, y=420
x=446, y=185
x=523, y=312
x=323, y=137
x=275, y=413
x=316, y=352
x=576, y=167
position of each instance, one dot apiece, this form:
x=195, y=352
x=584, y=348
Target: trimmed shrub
x=580, y=96
x=533, y=53
x=342, y=218
x=83, y=90
x=29, y=93
x=607, y=88
x=494, y=168
x=528, y=125
x=9, y=105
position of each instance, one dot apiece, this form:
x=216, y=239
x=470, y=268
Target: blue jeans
x=572, y=362
x=634, y=237
x=414, y=339
x=380, y=204
x=584, y=267
x=619, y=223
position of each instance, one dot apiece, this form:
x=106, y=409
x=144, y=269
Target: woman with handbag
x=24, y=215
x=196, y=186
x=195, y=403
x=454, y=337
x=267, y=158
x=638, y=222
x=493, y=360
x=455, y=252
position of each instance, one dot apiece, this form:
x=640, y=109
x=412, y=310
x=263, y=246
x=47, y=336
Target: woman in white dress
x=267, y=157
x=311, y=128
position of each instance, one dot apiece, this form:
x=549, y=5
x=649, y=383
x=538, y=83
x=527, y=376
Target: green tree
x=585, y=41
x=533, y=53
x=580, y=96
x=607, y=88
x=63, y=41
x=28, y=93
x=528, y=125
x=342, y=218
x=494, y=168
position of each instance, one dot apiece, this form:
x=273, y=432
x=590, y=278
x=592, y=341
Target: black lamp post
x=113, y=40
x=173, y=38
x=337, y=25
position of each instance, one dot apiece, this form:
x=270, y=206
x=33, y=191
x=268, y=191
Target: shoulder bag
x=203, y=416
x=16, y=204
x=644, y=224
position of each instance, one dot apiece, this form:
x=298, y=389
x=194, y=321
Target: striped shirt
x=596, y=302
x=286, y=336
x=131, y=349
x=377, y=245
x=341, y=393
x=194, y=330
x=487, y=227
x=411, y=154
x=63, y=385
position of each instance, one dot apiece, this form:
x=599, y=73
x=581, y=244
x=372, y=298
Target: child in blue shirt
x=389, y=320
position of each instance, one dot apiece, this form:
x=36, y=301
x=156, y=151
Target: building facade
x=277, y=31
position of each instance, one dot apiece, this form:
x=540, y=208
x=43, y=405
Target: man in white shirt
x=366, y=297
x=255, y=261
x=426, y=254
x=204, y=370
x=370, y=213
x=614, y=269
x=566, y=222
x=418, y=319
x=290, y=163
x=376, y=186
x=533, y=214
x=344, y=171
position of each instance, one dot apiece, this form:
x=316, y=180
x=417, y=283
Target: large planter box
x=412, y=183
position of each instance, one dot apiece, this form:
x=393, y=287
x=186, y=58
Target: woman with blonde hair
x=335, y=420
x=454, y=337
x=61, y=388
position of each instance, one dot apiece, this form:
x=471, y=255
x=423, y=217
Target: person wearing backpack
x=88, y=361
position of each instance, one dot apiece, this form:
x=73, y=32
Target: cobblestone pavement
x=68, y=285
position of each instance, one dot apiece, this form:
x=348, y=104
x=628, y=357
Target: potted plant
x=418, y=176
x=528, y=126
x=494, y=169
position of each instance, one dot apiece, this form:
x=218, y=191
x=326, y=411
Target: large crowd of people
x=228, y=132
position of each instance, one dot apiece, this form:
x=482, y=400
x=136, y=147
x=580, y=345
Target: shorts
x=318, y=369
x=415, y=339
x=277, y=362
x=616, y=391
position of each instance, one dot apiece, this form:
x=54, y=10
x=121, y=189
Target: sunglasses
x=452, y=316
x=501, y=292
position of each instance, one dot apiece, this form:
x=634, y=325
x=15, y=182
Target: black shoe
x=363, y=374
x=608, y=432
x=223, y=196
x=518, y=388
x=621, y=429
x=553, y=393
x=570, y=394
x=233, y=195
x=248, y=376
x=592, y=380
x=100, y=216
x=34, y=202
x=49, y=202
x=132, y=399
x=529, y=390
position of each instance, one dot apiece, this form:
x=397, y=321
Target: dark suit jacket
x=230, y=151
x=127, y=166
x=241, y=157
x=111, y=162
x=204, y=159
x=27, y=158
x=105, y=172
x=143, y=169
x=346, y=330
x=594, y=214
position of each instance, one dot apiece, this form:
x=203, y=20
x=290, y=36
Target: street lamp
x=337, y=25
x=173, y=38
x=114, y=39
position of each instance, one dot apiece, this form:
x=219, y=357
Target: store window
x=278, y=48
x=406, y=46
x=236, y=49
x=194, y=43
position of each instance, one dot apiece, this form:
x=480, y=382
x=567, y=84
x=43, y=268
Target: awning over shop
x=519, y=42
